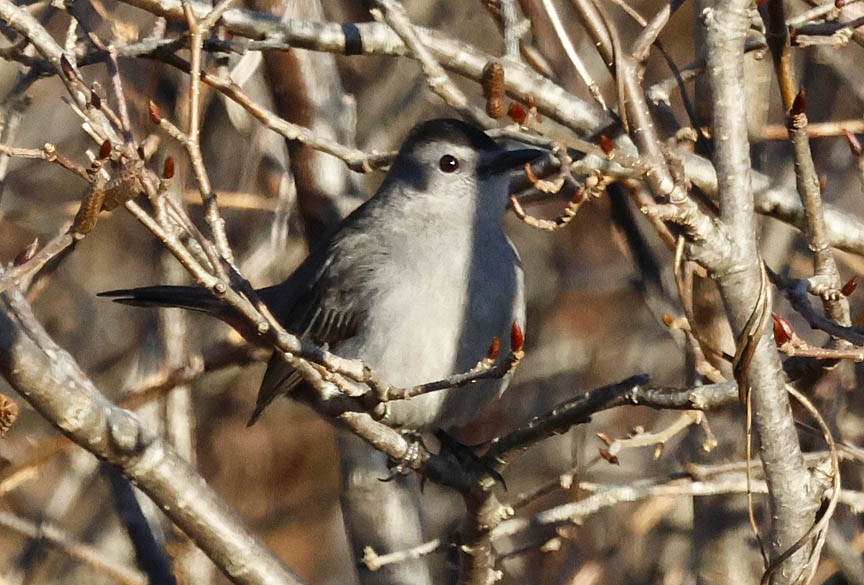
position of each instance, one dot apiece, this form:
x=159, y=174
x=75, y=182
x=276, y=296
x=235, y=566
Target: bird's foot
x=405, y=465
x=467, y=457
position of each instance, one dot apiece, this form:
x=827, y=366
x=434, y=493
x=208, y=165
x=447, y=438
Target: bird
x=416, y=283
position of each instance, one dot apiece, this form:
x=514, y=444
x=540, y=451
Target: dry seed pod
x=493, y=89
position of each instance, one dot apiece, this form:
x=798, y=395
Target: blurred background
x=594, y=316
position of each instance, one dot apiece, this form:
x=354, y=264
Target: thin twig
x=395, y=16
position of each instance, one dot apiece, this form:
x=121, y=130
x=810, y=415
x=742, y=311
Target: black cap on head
x=449, y=130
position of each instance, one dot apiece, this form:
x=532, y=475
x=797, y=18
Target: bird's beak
x=508, y=160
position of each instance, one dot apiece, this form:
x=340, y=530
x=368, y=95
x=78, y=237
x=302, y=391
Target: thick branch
x=741, y=284
x=52, y=382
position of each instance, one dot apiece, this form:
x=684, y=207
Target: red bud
x=168, y=169
x=517, y=113
x=517, y=338
x=105, y=149
x=782, y=329
x=850, y=286
x=494, y=349
x=606, y=144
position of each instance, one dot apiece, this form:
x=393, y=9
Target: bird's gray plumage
x=416, y=282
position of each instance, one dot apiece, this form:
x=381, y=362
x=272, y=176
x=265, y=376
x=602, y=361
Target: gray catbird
x=416, y=282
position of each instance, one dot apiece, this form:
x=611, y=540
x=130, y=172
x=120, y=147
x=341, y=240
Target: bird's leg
x=383, y=517
x=467, y=457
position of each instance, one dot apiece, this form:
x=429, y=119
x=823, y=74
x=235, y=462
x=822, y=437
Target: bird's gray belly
x=428, y=329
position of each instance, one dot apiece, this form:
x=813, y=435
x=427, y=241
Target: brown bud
x=105, y=149
x=168, y=169
x=155, y=115
x=517, y=113
x=823, y=181
x=668, y=319
x=783, y=331
x=95, y=100
x=517, y=338
x=606, y=144
x=494, y=349
x=850, y=286
x=27, y=253
x=609, y=457
x=838, y=4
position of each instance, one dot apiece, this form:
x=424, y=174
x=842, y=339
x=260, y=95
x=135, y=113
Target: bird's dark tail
x=185, y=297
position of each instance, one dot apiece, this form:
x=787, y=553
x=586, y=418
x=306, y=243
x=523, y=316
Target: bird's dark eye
x=448, y=163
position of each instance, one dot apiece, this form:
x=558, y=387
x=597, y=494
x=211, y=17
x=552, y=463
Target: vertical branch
x=511, y=28
x=789, y=484
x=570, y=51
x=197, y=30
x=826, y=282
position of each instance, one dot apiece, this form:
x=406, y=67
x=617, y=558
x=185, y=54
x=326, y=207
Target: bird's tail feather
x=185, y=297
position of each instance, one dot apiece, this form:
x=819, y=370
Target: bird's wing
x=321, y=301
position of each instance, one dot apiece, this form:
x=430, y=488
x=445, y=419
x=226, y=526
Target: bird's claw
x=466, y=457
x=404, y=466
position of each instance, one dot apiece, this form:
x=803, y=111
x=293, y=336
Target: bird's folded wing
x=318, y=302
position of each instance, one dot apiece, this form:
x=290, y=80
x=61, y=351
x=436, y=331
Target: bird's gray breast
x=437, y=297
